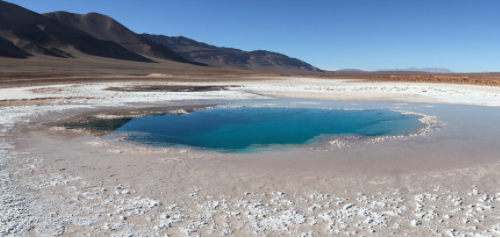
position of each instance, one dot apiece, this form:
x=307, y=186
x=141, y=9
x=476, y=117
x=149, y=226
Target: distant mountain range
x=350, y=70
x=426, y=69
x=229, y=57
x=24, y=34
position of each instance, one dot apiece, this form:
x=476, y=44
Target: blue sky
x=463, y=36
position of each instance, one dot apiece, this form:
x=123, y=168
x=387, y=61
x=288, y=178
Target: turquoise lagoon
x=255, y=128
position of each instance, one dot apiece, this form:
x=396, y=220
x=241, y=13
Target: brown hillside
x=24, y=33
x=106, y=28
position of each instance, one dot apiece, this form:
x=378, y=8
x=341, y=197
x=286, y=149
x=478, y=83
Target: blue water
x=242, y=129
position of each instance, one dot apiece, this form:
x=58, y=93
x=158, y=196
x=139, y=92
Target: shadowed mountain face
x=8, y=49
x=106, y=28
x=229, y=57
x=24, y=33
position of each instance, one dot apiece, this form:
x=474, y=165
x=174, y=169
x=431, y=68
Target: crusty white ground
x=35, y=201
x=296, y=87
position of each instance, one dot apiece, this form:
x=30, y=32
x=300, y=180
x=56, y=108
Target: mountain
x=350, y=70
x=233, y=58
x=106, y=28
x=65, y=35
x=24, y=33
x=426, y=69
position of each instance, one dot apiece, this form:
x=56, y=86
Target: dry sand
x=56, y=182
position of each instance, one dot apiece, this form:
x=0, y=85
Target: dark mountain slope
x=8, y=49
x=31, y=33
x=106, y=28
x=229, y=57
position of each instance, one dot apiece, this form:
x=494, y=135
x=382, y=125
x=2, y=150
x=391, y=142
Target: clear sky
x=463, y=36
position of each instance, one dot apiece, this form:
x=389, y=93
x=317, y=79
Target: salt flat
x=296, y=87
x=69, y=183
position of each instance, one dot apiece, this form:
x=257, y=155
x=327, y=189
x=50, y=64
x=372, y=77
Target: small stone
x=415, y=223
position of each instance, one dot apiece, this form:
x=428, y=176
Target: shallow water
x=253, y=128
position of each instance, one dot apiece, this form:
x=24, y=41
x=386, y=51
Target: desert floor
x=441, y=182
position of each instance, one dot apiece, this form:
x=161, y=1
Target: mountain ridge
x=425, y=69
x=106, y=28
x=24, y=33
x=231, y=57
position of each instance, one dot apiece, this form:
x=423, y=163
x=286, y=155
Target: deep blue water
x=241, y=129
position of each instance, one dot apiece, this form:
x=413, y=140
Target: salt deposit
x=38, y=198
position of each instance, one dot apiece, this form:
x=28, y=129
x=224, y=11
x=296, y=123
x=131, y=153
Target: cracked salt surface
x=273, y=213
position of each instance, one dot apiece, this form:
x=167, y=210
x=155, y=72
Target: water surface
x=249, y=128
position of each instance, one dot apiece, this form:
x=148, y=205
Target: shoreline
x=89, y=186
